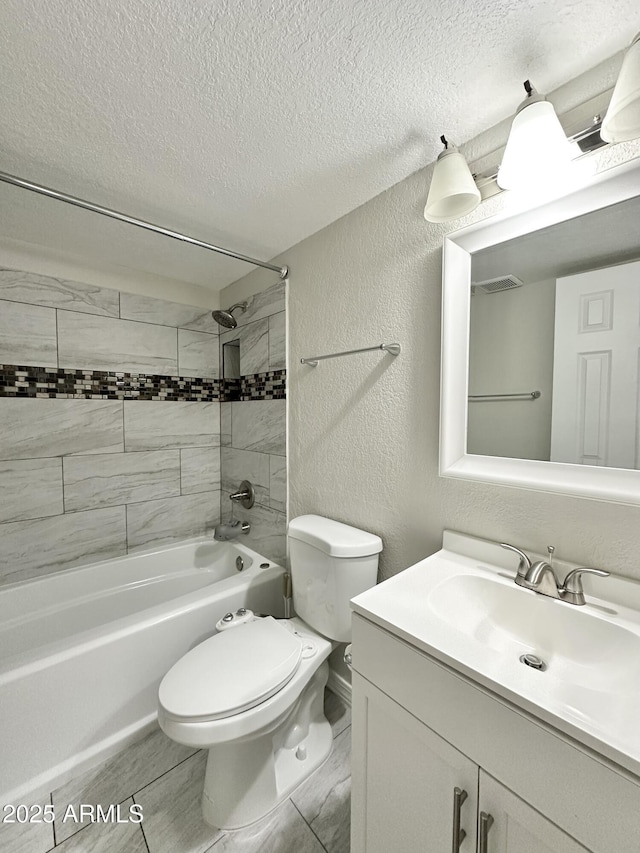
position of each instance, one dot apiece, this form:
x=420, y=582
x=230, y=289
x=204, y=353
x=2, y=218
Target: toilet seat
x=231, y=672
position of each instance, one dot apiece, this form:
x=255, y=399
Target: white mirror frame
x=609, y=484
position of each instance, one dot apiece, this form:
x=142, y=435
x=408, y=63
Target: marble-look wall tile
x=100, y=343
x=30, y=488
x=254, y=348
x=278, y=483
x=151, y=425
x=34, y=289
x=225, y=423
x=263, y=304
x=148, y=309
x=268, y=535
x=27, y=335
x=115, y=779
x=198, y=354
x=239, y=465
x=111, y=479
x=277, y=342
x=230, y=354
x=161, y=522
x=34, y=548
x=259, y=425
x=32, y=428
x=199, y=470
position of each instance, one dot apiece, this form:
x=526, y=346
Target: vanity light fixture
x=537, y=149
x=453, y=191
x=622, y=121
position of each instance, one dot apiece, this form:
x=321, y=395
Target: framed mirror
x=541, y=345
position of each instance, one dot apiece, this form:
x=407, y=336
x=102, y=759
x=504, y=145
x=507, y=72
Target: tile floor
x=166, y=779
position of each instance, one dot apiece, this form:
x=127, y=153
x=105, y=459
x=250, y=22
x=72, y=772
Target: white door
x=595, y=372
x=512, y=826
x=403, y=781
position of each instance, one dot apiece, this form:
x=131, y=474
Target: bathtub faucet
x=230, y=530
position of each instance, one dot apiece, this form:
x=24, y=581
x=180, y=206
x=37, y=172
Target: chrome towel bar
x=392, y=349
x=523, y=395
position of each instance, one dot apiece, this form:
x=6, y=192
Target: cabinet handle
x=486, y=822
x=459, y=796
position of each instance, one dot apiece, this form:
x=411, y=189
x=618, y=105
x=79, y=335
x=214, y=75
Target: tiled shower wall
x=109, y=423
x=253, y=428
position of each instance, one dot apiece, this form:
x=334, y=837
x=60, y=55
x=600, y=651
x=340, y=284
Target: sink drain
x=534, y=662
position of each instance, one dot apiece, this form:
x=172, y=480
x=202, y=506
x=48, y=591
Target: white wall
x=511, y=351
x=19, y=255
x=363, y=431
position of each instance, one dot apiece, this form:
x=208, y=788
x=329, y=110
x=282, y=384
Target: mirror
x=541, y=345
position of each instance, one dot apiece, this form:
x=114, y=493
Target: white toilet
x=254, y=695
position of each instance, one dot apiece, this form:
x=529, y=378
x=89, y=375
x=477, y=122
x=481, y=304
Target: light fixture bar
x=140, y=223
x=581, y=125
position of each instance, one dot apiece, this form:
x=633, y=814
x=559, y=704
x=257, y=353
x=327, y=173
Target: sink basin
x=576, y=644
x=462, y=607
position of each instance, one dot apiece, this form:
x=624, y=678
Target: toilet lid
x=231, y=671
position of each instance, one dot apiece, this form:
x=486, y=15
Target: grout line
x=164, y=773
x=53, y=824
x=309, y=825
x=144, y=837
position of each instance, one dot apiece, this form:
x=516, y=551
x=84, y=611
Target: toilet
x=253, y=695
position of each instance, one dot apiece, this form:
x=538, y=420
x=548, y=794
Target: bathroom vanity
x=459, y=745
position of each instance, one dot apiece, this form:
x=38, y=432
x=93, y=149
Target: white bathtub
x=82, y=652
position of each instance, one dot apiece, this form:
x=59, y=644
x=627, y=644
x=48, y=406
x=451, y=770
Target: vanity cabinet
x=441, y=732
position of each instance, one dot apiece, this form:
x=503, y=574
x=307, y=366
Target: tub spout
x=230, y=530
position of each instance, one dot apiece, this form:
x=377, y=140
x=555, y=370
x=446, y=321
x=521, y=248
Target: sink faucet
x=541, y=577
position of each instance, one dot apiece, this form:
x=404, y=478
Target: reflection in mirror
x=554, y=342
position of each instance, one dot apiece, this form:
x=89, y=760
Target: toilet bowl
x=254, y=695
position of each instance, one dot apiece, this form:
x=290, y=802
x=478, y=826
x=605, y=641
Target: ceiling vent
x=496, y=285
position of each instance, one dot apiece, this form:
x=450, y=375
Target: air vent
x=497, y=285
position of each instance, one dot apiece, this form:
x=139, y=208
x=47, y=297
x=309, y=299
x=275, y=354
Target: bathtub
x=82, y=652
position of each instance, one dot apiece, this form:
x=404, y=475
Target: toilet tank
x=331, y=563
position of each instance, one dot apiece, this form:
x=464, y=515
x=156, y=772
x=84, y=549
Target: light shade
x=622, y=121
x=537, y=150
x=453, y=192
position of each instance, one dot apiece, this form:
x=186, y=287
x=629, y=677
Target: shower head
x=226, y=318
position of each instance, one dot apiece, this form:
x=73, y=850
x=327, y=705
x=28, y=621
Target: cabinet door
x=516, y=827
x=403, y=781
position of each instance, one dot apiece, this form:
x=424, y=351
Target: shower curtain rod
x=130, y=220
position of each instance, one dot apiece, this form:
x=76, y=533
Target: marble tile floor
x=165, y=780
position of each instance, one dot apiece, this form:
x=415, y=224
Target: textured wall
x=363, y=431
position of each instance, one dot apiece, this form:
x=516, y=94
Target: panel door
x=595, y=368
x=403, y=781
x=516, y=827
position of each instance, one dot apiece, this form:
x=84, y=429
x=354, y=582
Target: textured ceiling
x=254, y=123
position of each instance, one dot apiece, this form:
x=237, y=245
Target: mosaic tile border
x=65, y=383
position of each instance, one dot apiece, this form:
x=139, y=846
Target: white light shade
x=453, y=192
x=622, y=121
x=537, y=150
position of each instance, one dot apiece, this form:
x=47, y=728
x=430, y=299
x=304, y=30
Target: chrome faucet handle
x=571, y=590
x=525, y=563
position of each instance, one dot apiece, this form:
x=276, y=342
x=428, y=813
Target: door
x=404, y=781
x=595, y=369
x=515, y=827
